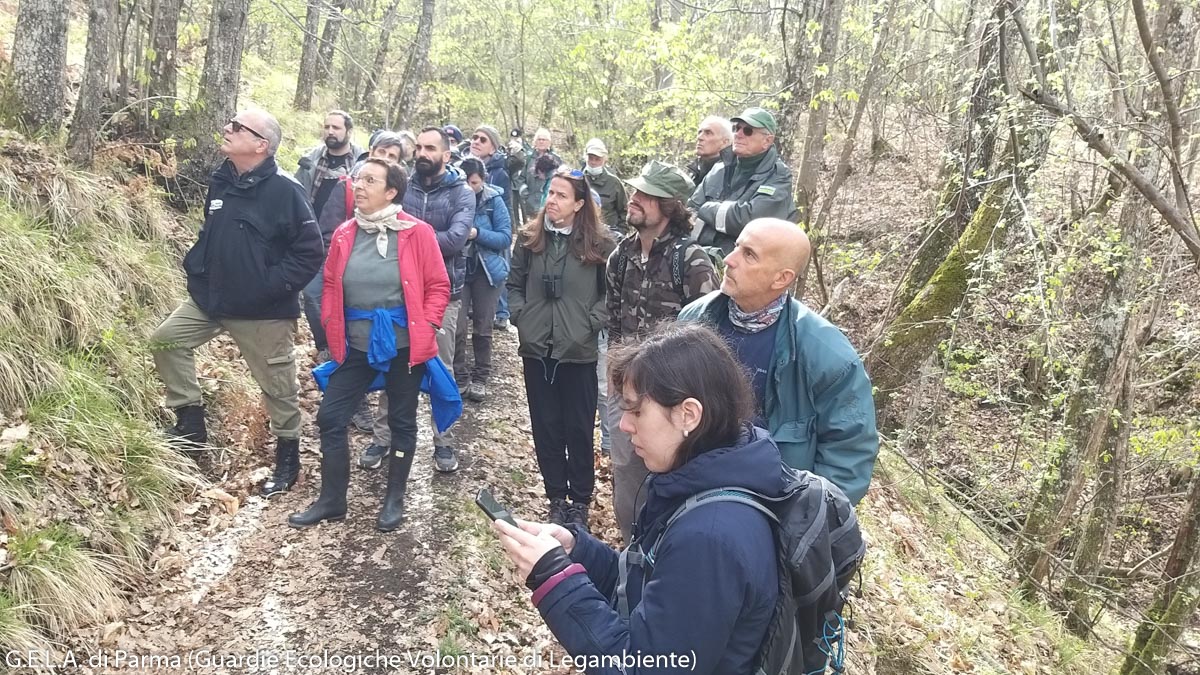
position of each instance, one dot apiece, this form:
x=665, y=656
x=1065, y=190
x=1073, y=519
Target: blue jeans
x=312, y=309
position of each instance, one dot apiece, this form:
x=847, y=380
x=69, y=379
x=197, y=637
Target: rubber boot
x=287, y=467
x=189, y=425
x=331, y=505
x=392, y=513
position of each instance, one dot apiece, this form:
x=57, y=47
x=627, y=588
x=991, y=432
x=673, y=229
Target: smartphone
x=493, y=508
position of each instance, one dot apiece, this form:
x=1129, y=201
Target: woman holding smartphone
x=708, y=588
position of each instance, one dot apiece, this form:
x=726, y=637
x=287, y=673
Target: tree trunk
x=39, y=63
x=370, y=92
x=914, y=334
x=797, y=69
x=329, y=39
x=165, y=41
x=972, y=154
x=307, y=74
x=818, y=110
x=218, y=94
x=405, y=100
x=86, y=122
x=1174, y=602
x=1094, y=545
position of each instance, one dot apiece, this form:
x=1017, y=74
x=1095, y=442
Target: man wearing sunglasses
x=753, y=183
x=258, y=247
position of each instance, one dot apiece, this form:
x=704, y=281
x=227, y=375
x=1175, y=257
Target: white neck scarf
x=380, y=223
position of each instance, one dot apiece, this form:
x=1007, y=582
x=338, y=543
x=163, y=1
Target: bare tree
x=370, y=91
x=165, y=42
x=39, y=62
x=307, y=75
x=329, y=40
x=217, y=100
x=813, y=157
x=414, y=70
x=82, y=140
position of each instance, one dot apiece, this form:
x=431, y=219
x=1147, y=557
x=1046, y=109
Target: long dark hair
x=679, y=222
x=588, y=235
x=688, y=360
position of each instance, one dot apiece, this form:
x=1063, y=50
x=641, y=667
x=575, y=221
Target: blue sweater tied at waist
x=438, y=381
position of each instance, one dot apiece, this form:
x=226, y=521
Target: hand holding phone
x=494, y=510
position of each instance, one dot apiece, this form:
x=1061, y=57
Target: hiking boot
x=477, y=392
x=392, y=513
x=287, y=467
x=445, y=458
x=331, y=505
x=500, y=324
x=559, y=508
x=372, y=457
x=364, y=417
x=189, y=426
x=577, y=513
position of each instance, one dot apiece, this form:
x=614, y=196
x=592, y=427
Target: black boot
x=392, y=512
x=287, y=467
x=331, y=505
x=189, y=425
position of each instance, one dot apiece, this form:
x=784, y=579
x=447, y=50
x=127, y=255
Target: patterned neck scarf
x=754, y=322
x=380, y=223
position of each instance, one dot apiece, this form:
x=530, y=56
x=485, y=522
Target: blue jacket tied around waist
x=438, y=382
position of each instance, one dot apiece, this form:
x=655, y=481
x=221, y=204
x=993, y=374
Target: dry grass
x=88, y=267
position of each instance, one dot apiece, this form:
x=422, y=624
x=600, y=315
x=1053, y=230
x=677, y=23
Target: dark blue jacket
x=258, y=247
x=497, y=172
x=449, y=207
x=714, y=584
x=493, y=238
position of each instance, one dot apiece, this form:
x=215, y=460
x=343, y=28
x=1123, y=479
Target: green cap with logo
x=663, y=180
x=760, y=118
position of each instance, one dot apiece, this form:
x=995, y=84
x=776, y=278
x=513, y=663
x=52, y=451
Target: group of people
x=397, y=252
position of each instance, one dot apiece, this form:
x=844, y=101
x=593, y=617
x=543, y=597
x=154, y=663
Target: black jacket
x=258, y=247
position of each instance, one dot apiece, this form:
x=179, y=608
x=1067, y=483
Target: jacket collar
x=227, y=174
x=717, y=310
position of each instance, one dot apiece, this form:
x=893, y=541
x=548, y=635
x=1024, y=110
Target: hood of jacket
x=753, y=463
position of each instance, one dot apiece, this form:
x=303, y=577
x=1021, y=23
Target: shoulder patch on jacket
x=765, y=190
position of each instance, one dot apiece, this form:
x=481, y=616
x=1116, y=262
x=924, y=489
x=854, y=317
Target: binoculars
x=552, y=286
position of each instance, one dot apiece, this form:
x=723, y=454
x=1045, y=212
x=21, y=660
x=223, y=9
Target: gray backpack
x=819, y=548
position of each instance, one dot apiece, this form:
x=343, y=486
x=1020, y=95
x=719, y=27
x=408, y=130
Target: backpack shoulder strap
x=726, y=494
x=678, y=260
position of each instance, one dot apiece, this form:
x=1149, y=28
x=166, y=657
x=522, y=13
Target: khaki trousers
x=266, y=346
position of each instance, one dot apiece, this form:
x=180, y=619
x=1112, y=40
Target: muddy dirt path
x=242, y=592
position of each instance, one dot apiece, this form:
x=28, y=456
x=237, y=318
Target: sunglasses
x=238, y=128
x=568, y=172
x=481, y=139
x=743, y=129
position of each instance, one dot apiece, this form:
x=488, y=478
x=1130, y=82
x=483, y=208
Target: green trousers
x=266, y=346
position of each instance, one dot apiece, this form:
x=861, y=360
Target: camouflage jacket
x=647, y=294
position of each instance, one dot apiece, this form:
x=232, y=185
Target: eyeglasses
x=238, y=128
x=743, y=129
x=481, y=139
x=369, y=180
x=568, y=172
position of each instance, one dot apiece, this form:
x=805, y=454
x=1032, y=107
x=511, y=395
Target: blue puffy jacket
x=497, y=171
x=493, y=237
x=449, y=207
x=714, y=583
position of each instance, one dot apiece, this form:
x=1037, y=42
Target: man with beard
x=441, y=197
x=654, y=272
x=324, y=173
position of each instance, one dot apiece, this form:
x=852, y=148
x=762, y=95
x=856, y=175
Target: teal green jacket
x=818, y=403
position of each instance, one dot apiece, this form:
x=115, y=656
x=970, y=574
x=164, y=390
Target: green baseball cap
x=760, y=118
x=663, y=180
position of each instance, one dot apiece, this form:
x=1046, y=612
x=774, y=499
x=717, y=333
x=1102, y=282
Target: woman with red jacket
x=384, y=296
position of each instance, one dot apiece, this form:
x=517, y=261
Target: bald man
x=258, y=247
x=810, y=387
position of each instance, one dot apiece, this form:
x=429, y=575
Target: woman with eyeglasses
x=556, y=296
x=385, y=293
x=487, y=268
